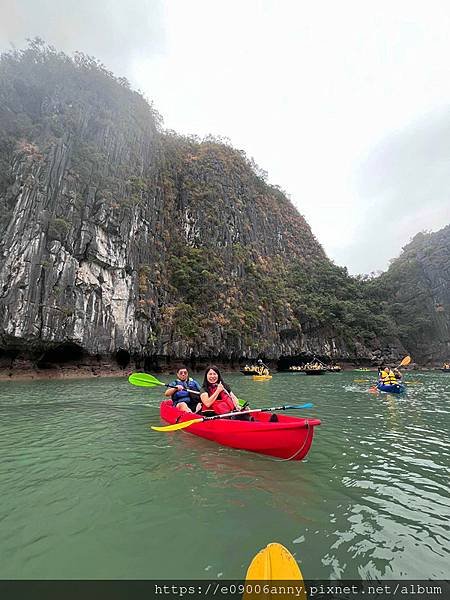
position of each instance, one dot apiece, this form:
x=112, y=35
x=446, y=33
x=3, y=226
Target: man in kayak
x=217, y=396
x=179, y=391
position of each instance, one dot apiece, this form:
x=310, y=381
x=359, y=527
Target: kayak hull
x=261, y=377
x=394, y=388
x=289, y=438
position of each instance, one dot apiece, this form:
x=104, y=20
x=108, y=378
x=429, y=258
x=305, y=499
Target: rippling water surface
x=88, y=491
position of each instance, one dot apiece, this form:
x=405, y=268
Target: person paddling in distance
x=216, y=396
x=387, y=376
x=179, y=391
x=261, y=368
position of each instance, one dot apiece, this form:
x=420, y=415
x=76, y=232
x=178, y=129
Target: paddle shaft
x=257, y=410
x=184, y=424
x=184, y=389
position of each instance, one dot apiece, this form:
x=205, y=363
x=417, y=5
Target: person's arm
x=209, y=400
x=171, y=391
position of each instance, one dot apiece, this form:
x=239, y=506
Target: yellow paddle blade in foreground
x=176, y=426
x=274, y=563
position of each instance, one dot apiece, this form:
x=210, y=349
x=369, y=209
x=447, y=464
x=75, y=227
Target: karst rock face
x=118, y=236
x=419, y=281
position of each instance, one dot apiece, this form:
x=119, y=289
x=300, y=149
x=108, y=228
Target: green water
x=88, y=491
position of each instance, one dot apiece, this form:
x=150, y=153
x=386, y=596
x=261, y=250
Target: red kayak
x=288, y=438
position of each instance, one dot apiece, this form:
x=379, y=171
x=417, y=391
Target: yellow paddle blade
x=176, y=426
x=274, y=562
x=405, y=361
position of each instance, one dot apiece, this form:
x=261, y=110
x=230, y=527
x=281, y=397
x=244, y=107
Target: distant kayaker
x=216, y=395
x=387, y=376
x=261, y=368
x=179, y=391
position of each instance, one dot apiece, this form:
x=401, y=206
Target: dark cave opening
x=62, y=354
x=123, y=358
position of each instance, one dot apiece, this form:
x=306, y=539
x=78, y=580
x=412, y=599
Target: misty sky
x=345, y=104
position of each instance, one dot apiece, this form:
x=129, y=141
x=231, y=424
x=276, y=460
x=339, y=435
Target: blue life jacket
x=190, y=384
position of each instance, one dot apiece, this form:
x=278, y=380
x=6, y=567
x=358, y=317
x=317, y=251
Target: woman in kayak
x=217, y=396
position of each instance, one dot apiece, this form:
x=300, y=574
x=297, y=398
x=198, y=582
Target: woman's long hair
x=206, y=383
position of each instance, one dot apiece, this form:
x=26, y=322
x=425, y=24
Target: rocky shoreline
x=30, y=373
x=51, y=374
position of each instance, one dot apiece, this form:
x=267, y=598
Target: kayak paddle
x=405, y=362
x=274, y=562
x=146, y=380
x=184, y=424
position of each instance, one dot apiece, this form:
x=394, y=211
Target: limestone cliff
x=418, y=285
x=116, y=236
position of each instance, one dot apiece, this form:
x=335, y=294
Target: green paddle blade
x=144, y=380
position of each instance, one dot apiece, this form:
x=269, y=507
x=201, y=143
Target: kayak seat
x=242, y=416
x=273, y=418
x=207, y=413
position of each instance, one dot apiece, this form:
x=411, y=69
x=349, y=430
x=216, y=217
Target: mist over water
x=88, y=491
